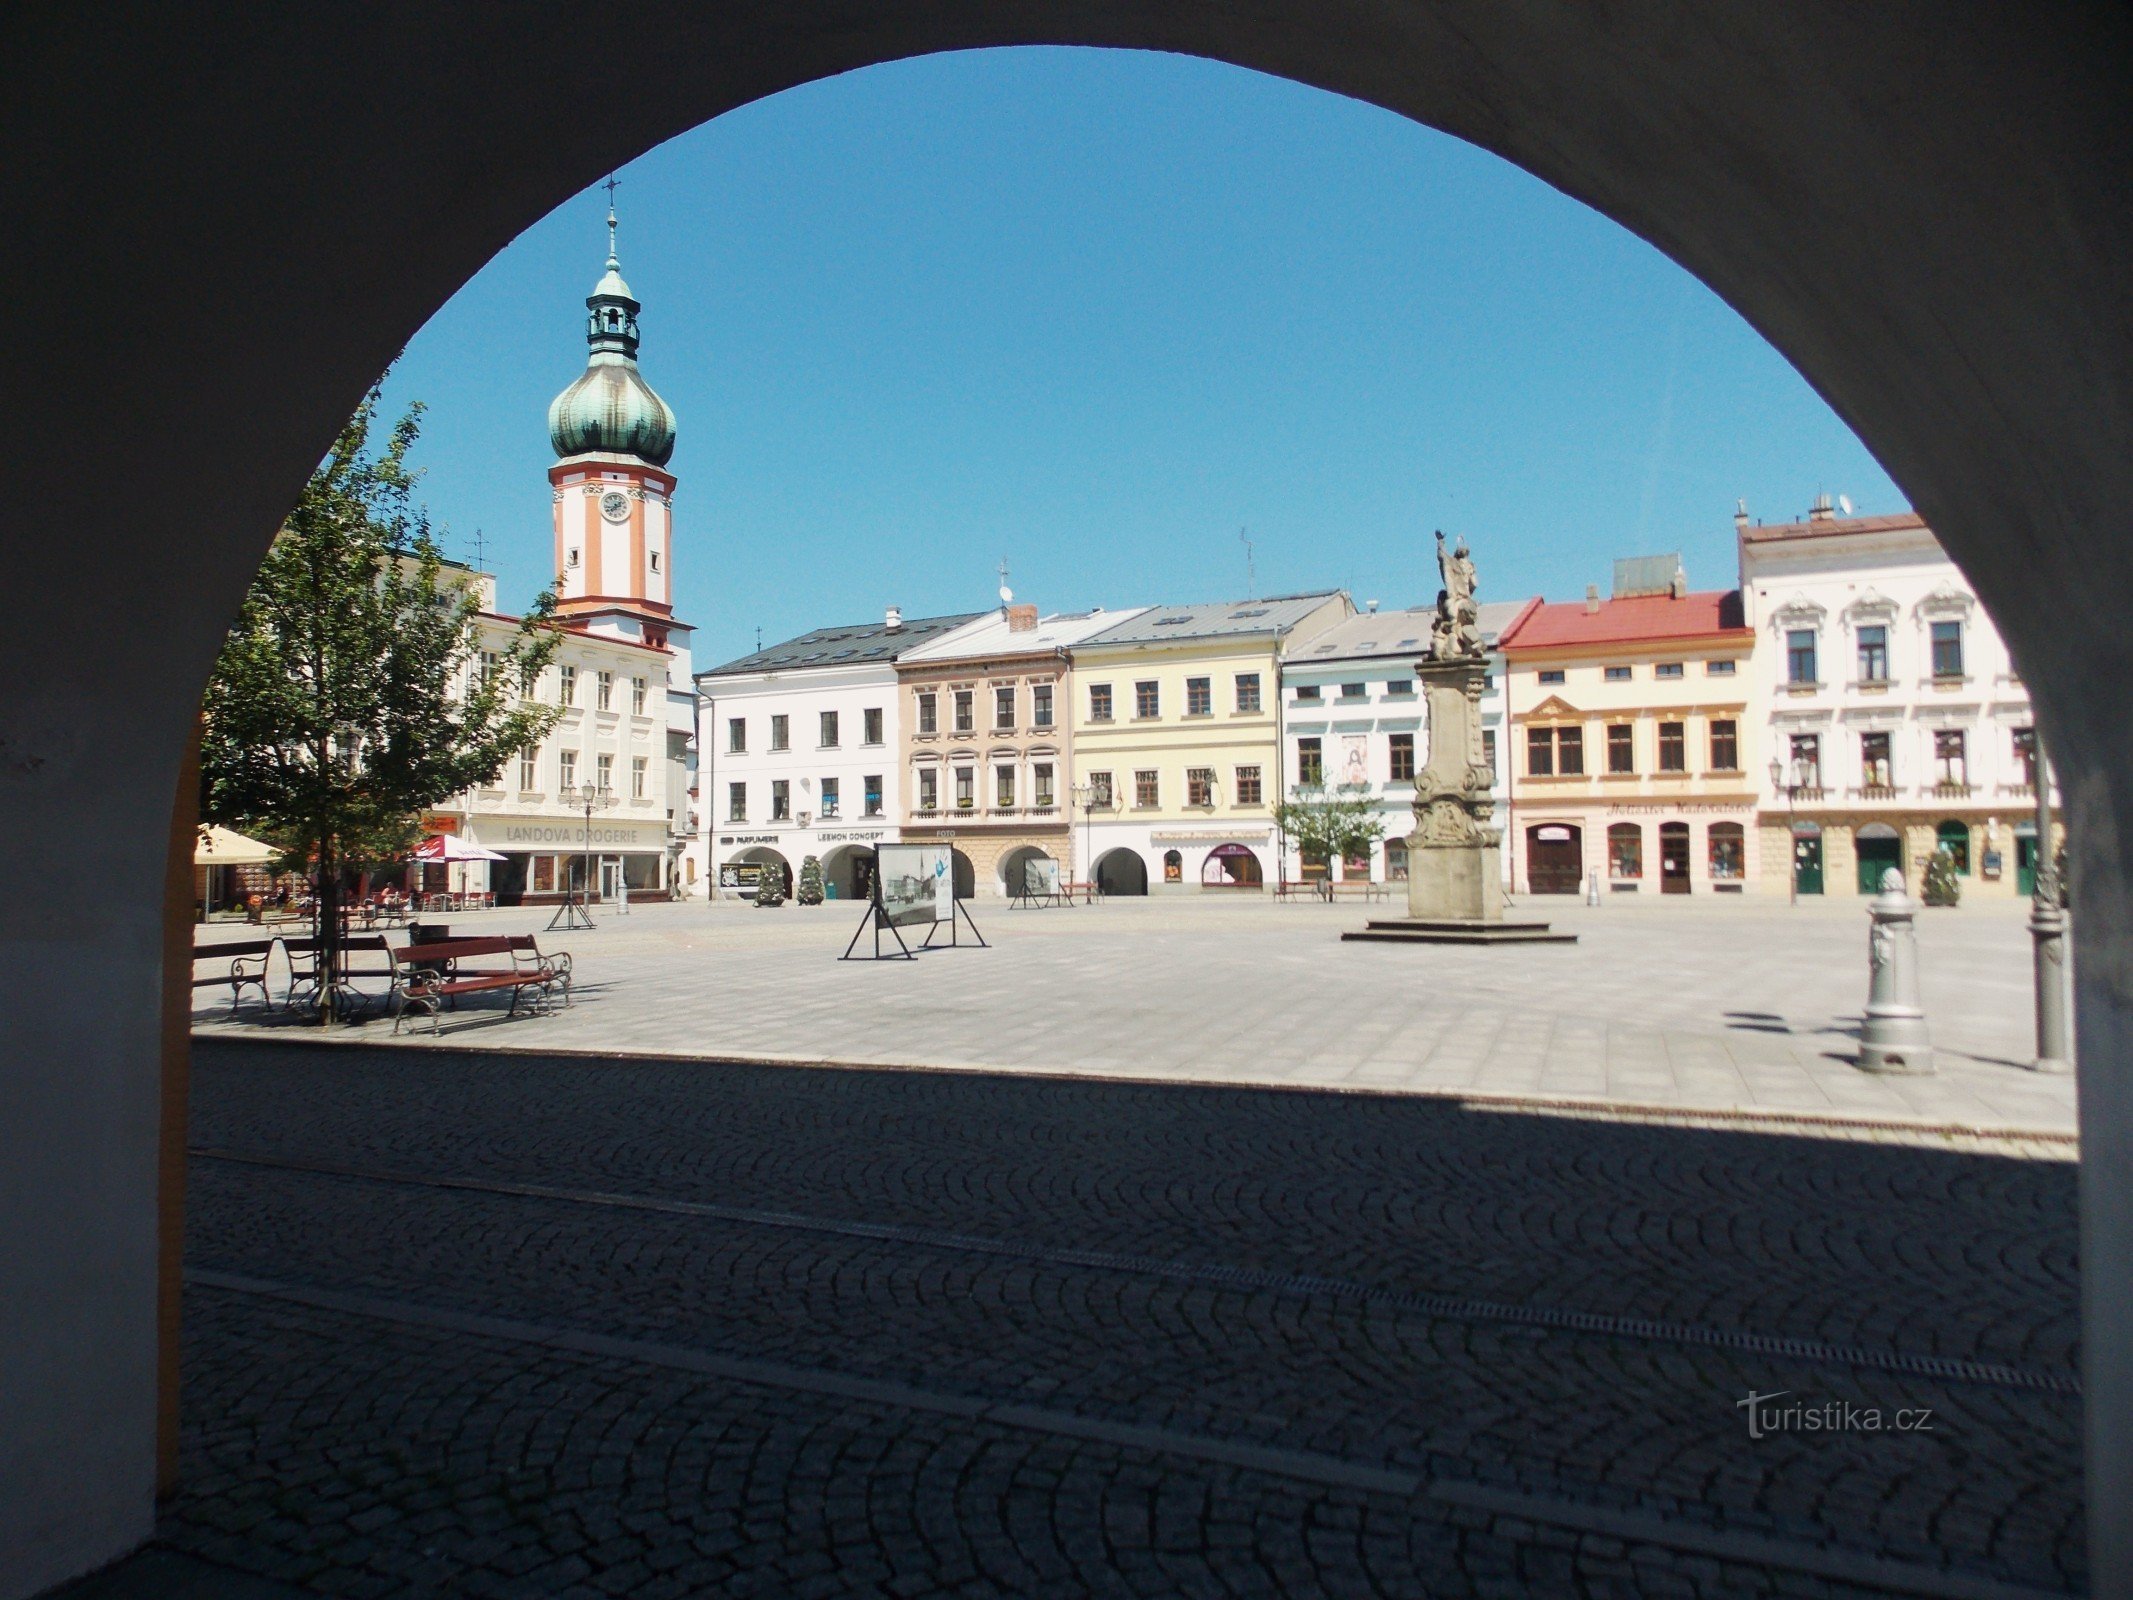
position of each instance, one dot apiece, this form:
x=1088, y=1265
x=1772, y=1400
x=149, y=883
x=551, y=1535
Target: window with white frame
x=1040, y=775
x=870, y=788
x=780, y=732
x=1144, y=788
x=1247, y=691
x=1800, y=656
x=736, y=802
x=831, y=798
x=929, y=789
x=966, y=788
x=929, y=712
x=637, y=693
x=830, y=736
x=1147, y=699
x=1951, y=765
x=566, y=762
x=1003, y=707
x=1199, y=697
x=606, y=690
x=1249, y=788
x=1040, y=705
x=529, y=769
x=566, y=685
x=1003, y=786
x=966, y=716
x=604, y=773
x=870, y=725
x=780, y=800
x=1947, y=649
x=640, y=772
x=1200, y=786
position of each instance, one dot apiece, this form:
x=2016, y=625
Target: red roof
x=1645, y=618
x=1829, y=526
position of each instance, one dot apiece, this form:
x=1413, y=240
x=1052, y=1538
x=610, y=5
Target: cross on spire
x=613, y=183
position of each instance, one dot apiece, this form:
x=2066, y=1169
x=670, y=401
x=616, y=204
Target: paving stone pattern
x=1728, y=1005
x=919, y=1347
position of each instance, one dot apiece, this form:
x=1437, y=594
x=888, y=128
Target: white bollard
x=1592, y=888
x=1894, y=1038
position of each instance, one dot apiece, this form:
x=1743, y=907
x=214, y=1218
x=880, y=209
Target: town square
x=1067, y=799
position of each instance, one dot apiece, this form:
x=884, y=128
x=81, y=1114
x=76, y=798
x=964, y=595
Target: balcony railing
x=1951, y=789
x=1876, y=791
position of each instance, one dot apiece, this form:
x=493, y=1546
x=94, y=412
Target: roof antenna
x=479, y=565
x=1007, y=595
x=1251, y=575
x=759, y=637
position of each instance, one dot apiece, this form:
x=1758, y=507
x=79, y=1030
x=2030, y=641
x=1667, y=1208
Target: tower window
x=653, y=557
x=570, y=559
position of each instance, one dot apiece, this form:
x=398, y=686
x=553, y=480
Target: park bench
x=431, y=976
x=1359, y=890
x=246, y=968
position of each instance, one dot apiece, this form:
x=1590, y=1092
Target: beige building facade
x=1632, y=745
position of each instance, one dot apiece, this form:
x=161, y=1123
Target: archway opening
x=1121, y=872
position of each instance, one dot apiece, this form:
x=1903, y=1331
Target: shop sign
x=747, y=838
x=1206, y=836
x=1664, y=810
x=857, y=836
x=569, y=835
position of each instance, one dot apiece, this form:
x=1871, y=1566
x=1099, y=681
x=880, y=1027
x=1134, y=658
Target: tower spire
x=614, y=263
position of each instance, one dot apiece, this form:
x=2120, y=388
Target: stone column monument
x=1455, y=855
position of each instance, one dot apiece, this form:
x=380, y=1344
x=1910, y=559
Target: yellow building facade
x=1177, y=742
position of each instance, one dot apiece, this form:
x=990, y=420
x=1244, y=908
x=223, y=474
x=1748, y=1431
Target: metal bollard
x=1592, y=888
x=1894, y=1038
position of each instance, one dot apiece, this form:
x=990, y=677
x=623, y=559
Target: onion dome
x=611, y=409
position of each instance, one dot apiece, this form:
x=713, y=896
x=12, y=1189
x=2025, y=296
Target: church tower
x=614, y=499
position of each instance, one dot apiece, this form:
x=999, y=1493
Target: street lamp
x=1085, y=797
x=573, y=913
x=1778, y=780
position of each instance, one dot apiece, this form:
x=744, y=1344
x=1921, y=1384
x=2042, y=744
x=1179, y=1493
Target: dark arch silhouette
x=243, y=216
x=1121, y=871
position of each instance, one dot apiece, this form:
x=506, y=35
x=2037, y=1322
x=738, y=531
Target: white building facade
x=799, y=754
x=1353, y=717
x=1897, y=724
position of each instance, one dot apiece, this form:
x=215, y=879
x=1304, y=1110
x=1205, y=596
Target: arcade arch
x=1950, y=279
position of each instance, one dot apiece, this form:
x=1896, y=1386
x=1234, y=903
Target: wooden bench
x=1359, y=890
x=247, y=968
x=431, y=976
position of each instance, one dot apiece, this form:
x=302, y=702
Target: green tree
x=770, y=884
x=1333, y=824
x=809, y=892
x=355, y=689
x=1943, y=887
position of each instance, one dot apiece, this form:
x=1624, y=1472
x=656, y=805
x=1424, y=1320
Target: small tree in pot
x=770, y=884
x=1943, y=886
x=809, y=892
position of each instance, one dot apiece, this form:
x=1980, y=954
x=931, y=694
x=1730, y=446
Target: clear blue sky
x=1095, y=311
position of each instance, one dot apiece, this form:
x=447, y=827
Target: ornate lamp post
x=574, y=912
x=1085, y=797
x=2047, y=930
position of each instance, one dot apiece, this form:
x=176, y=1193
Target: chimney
x=1370, y=606
x=1822, y=510
x=893, y=621
x=1592, y=599
x=1740, y=516
x=1021, y=619
x=1679, y=588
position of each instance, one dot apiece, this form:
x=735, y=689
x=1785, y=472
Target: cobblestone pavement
x=471, y=1324
x=1725, y=1006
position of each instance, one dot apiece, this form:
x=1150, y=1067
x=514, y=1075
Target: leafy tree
x=1332, y=824
x=809, y=892
x=1943, y=887
x=353, y=691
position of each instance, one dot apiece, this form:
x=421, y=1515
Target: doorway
x=1807, y=861
x=1673, y=858
x=610, y=879
x=1555, y=858
x=1880, y=851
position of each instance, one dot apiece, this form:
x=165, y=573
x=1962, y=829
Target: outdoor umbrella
x=450, y=847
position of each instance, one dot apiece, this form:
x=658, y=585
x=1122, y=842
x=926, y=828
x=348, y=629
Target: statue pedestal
x=1455, y=855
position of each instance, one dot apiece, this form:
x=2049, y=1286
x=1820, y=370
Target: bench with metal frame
x=247, y=968
x=431, y=976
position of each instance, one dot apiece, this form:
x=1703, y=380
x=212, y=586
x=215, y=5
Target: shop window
x=1621, y=748
x=1673, y=747
x=1728, y=847
x=543, y=874
x=1954, y=837
x=1173, y=866
x=1403, y=757
x=1625, y=850
x=1395, y=860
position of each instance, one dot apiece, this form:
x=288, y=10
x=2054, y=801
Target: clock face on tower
x=615, y=505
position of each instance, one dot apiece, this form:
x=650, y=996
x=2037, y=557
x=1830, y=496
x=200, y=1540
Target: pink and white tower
x=614, y=498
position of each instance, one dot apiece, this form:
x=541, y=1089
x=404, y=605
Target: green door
x=2025, y=865
x=1807, y=863
x=1877, y=856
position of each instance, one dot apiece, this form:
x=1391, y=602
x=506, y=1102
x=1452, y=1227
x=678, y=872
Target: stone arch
x=1013, y=863
x=1972, y=332
x=848, y=871
x=1121, y=871
x=764, y=859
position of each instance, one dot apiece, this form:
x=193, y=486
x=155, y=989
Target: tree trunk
x=329, y=931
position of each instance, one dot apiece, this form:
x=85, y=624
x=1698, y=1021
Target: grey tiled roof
x=855, y=644
x=1218, y=619
x=1395, y=633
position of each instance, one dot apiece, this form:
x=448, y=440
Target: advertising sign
x=917, y=883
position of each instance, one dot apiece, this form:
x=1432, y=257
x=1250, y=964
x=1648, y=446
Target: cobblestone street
x=463, y=1323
